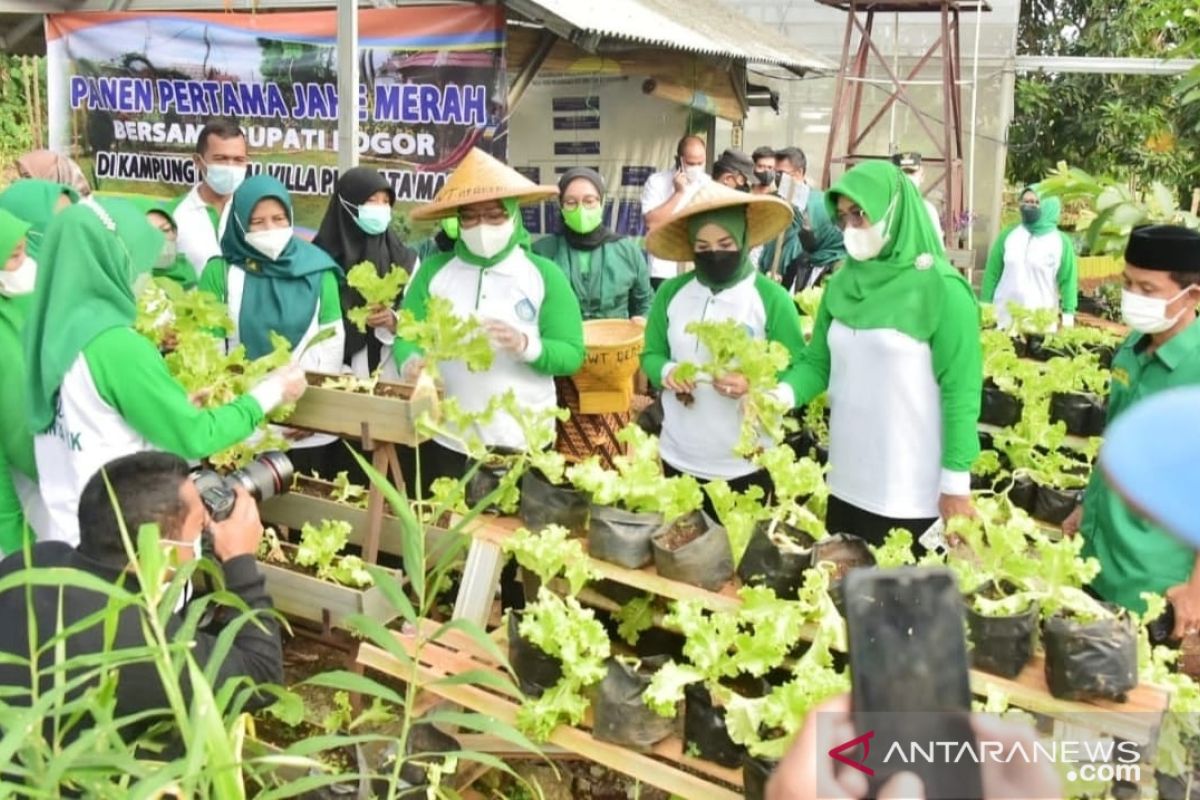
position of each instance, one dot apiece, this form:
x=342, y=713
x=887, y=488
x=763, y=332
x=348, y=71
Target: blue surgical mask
x=224, y=179
x=373, y=218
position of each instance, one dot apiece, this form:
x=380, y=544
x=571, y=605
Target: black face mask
x=717, y=266
x=765, y=177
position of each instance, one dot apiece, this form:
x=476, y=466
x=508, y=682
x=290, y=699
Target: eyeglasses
x=590, y=201
x=855, y=218
x=469, y=219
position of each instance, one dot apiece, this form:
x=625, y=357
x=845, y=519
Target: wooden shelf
x=1136, y=720
x=665, y=766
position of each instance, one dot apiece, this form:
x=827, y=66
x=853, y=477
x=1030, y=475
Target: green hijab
x=91, y=256
x=280, y=295
x=180, y=270
x=16, y=444
x=732, y=220
x=34, y=201
x=1051, y=211
x=520, y=238
x=904, y=286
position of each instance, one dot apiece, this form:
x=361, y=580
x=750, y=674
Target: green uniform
x=1136, y=556
x=827, y=239
x=611, y=282
x=16, y=443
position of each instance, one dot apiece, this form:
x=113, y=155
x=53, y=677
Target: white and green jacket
x=117, y=399
x=904, y=413
x=1032, y=271
x=523, y=290
x=699, y=439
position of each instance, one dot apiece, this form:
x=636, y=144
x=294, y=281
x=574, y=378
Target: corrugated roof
x=695, y=26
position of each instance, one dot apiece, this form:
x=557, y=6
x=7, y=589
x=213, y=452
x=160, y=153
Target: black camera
x=264, y=477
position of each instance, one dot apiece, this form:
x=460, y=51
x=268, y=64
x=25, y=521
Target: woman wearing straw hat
x=524, y=302
x=896, y=343
x=716, y=231
x=608, y=272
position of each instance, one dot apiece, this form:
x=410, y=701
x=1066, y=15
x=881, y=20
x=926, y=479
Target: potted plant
x=619, y=711
x=784, y=535
x=630, y=503
x=314, y=581
x=693, y=549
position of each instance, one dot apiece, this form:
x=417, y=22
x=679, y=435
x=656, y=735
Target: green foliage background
x=16, y=117
x=1134, y=128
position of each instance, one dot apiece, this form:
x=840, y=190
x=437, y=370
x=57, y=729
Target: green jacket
x=824, y=246
x=1136, y=556
x=611, y=282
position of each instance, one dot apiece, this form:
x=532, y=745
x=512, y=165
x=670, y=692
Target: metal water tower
x=942, y=124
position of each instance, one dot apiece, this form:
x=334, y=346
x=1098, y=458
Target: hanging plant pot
x=999, y=408
x=755, y=774
x=1090, y=660
x=536, y=670
x=704, y=733
x=544, y=504
x=1084, y=414
x=622, y=537
x=1054, y=505
x=694, y=550
x=1001, y=645
x=619, y=714
x=776, y=559
x=1023, y=493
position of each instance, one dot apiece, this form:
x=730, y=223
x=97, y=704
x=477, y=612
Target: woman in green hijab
x=171, y=264
x=702, y=420
x=36, y=201
x=896, y=343
x=608, y=273
x=97, y=390
x=19, y=497
x=275, y=282
x=1032, y=264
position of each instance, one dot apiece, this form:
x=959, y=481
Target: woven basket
x=605, y=382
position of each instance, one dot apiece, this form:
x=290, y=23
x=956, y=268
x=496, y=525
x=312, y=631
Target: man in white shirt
x=667, y=191
x=221, y=160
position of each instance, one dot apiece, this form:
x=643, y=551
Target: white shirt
x=659, y=188
x=885, y=426
x=1030, y=276
x=511, y=291
x=699, y=439
x=196, y=238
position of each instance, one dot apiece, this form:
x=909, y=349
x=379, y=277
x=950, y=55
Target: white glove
x=284, y=385
x=1068, y=320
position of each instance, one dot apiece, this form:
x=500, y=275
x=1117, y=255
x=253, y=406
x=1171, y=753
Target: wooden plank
x=647, y=579
x=638, y=765
x=389, y=418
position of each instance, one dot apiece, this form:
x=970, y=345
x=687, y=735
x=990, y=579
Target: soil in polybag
x=536, y=670
x=694, y=550
x=1001, y=645
x=776, y=560
x=1083, y=414
x=622, y=537
x=544, y=504
x=1090, y=660
x=618, y=712
x=999, y=408
x=1054, y=505
x=755, y=774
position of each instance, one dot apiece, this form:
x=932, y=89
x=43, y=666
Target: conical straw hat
x=766, y=217
x=479, y=178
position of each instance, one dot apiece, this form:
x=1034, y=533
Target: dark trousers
x=841, y=517
x=437, y=461
x=759, y=478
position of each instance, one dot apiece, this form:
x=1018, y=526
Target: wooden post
x=1195, y=200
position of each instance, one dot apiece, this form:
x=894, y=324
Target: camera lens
x=268, y=475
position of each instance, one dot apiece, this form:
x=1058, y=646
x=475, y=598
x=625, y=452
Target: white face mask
x=224, y=179
x=20, y=280
x=863, y=244
x=695, y=172
x=1148, y=314
x=486, y=240
x=271, y=243
x=167, y=257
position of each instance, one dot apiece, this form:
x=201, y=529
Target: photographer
x=150, y=488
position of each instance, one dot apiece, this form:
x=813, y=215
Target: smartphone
x=911, y=689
